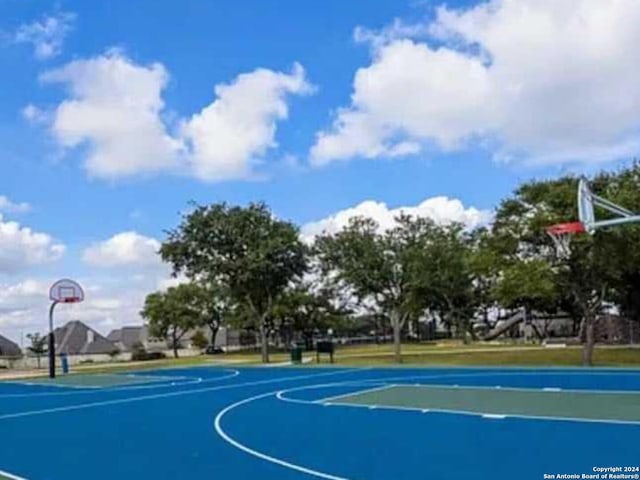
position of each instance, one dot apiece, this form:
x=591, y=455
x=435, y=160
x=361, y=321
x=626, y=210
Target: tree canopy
x=249, y=268
x=246, y=249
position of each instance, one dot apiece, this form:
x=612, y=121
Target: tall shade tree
x=623, y=188
x=247, y=249
x=586, y=276
x=214, y=306
x=443, y=275
x=305, y=309
x=173, y=313
x=378, y=267
x=486, y=265
x=529, y=284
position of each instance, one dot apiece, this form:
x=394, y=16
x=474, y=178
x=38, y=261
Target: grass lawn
x=483, y=354
x=448, y=353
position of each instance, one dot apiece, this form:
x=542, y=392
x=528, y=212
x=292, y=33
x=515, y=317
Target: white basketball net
x=562, y=242
x=561, y=234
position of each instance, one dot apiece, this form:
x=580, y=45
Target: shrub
x=143, y=355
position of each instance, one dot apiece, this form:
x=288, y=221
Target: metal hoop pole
x=52, y=343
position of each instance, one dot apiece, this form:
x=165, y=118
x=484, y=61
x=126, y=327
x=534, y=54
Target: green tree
x=623, y=188
x=444, y=277
x=38, y=345
x=172, y=313
x=378, y=268
x=486, y=265
x=585, y=278
x=530, y=284
x=306, y=309
x=214, y=305
x=247, y=249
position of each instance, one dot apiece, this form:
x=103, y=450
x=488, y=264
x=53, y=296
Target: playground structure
x=533, y=326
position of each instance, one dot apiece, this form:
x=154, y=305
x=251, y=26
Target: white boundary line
x=480, y=414
x=196, y=380
x=11, y=476
x=359, y=392
x=512, y=373
x=161, y=379
x=517, y=389
x=280, y=395
x=170, y=394
x=257, y=454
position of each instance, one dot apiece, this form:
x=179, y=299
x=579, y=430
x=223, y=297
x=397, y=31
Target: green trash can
x=296, y=354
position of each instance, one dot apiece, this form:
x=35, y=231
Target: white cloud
x=231, y=134
x=21, y=247
x=126, y=249
x=440, y=209
x=109, y=302
x=19, y=295
x=47, y=34
x=542, y=80
x=6, y=205
x=34, y=115
x=168, y=282
x=106, y=306
x=114, y=108
x=398, y=29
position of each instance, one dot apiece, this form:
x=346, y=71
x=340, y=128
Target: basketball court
x=332, y=423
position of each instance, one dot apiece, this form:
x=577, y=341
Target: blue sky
x=116, y=114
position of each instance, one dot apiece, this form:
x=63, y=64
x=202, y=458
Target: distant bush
x=199, y=340
x=141, y=356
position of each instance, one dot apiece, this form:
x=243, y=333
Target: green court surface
x=100, y=380
x=549, y=403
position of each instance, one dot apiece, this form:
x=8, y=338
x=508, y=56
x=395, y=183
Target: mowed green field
x=445, y=353
x=482, y=354
x=441, y=354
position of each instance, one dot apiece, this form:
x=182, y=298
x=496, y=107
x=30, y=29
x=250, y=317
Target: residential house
x=9, y=348
x=77, y=338
x=126, y=337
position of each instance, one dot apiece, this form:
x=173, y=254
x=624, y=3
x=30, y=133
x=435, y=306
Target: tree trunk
x=397, y=352
x=214, y=333
x=397, y=327
x=589, y=341
x=264, y=347
x=175, y=344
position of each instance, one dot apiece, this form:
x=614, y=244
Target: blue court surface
x=331, y=423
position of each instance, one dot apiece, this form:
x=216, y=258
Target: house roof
x=115, y=335
x=129, y=336
x=8, y=348
x=77, y=338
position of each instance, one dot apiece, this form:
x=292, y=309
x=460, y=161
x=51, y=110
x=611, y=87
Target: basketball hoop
x=62, y=291
x=66, y=291
x=562, y=233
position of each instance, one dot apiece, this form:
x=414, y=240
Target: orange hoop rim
x=566, y=228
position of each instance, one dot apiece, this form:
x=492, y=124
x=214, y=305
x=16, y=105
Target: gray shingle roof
x=8, y=348
x=76, y=338
x=115, y=335
x=127, y=337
